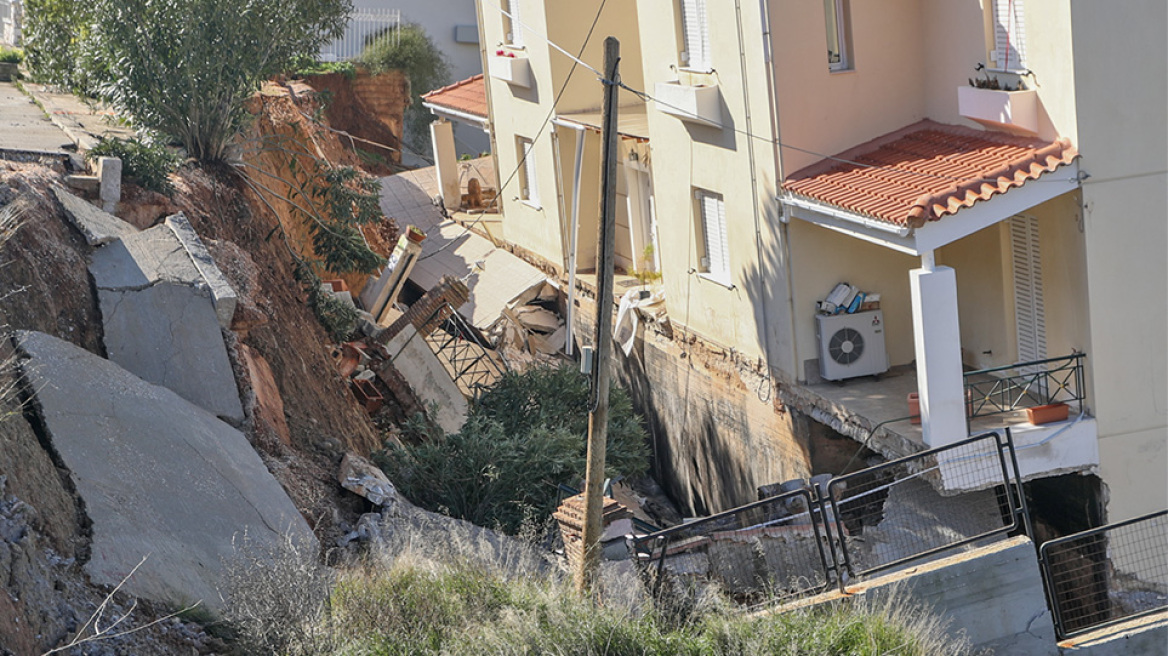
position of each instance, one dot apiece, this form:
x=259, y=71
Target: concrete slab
x=412, y=357
x=96, y=226
x=160, y=478
x=158, y=290
x=495, y=276
x=25, y=128
x=1144, y=635
x=167, y=334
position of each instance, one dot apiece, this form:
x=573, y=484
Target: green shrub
x=411, y=50
x=11, y=55
x=147, y=164
x=308, y=65
x=523, y=437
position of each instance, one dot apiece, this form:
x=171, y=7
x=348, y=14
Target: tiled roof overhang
x=909, y=179
x=465, y=100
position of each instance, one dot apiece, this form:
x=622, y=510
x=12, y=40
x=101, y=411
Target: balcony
x=698, y=104
x=511, y=69
x=876, y=412
x=1015, y=112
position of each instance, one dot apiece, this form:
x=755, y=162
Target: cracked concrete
x=96, y=226
x=164, y=304
x=160, y=477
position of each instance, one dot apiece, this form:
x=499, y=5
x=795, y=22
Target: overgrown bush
x=181, y=67
x=338, y=318
x=434, y=588
x=147, y=164
x=11, y=55
x=411, y=50
x=524, y=435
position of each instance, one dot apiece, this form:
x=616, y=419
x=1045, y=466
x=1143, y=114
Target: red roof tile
x=468, y=96
x=926, y=171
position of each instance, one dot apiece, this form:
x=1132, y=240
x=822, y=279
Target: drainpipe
x=766, y=331
x=777, y=152
x=577, y=174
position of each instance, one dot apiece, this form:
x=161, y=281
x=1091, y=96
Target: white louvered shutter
x=714, y=228
x=1009, y=35
x=1029, y=312
x=697, y=35
x=532, y=189
x=515, y=35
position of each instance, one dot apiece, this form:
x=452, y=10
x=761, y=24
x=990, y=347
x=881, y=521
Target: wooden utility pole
x=587, y=575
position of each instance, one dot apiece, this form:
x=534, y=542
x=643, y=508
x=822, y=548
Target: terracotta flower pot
x=1046, y=414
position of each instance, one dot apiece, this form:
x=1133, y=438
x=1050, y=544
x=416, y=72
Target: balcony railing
x=1025, y=385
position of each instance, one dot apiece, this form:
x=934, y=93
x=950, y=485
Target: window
x=512, y=28
x=528, y=188
x=696, y=35
x=836, y=12
x=1009, y=35
x=715, y=260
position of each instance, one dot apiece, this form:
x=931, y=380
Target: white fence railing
x=363, y=23
x=11, y=12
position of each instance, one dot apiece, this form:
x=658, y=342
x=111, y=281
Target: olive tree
x=184, y=67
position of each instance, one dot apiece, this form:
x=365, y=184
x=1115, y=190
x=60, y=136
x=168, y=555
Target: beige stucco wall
x=1124, y=140
x=909, y=58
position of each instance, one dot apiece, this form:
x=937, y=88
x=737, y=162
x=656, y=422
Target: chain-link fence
x=1107, y=574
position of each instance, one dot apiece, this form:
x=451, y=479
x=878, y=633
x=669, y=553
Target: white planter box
x=1011, y=111
x=515, y=71
x=695, y=104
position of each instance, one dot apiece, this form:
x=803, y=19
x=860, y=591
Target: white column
x=937, y=333
x=446, y=163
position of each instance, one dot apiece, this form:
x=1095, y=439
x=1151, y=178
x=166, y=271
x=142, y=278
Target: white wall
x=1123, y=137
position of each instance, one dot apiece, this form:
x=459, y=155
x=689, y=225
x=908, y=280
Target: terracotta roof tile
x=468, y=96
x=927, y=171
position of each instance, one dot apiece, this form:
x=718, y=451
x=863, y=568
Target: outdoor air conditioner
x=851, y=345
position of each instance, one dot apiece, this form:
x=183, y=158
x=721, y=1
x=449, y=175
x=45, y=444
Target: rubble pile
x=531, y=329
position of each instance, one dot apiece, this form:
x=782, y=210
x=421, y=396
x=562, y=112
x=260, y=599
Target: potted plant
x=510, y=68
x=10, y=59
x=999, y=105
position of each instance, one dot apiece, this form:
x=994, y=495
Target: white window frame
x=528, y=182
x=838, y=13
x=1009, y=24
x=695, y=35
x=714, y=262
x=512, y=25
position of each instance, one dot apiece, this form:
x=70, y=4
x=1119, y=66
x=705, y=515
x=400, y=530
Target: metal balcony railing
x=1025, y=385
x=470, y=361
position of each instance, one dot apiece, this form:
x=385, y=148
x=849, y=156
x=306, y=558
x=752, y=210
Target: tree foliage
x=181, y=67
x=411, y=50
x=524, y=436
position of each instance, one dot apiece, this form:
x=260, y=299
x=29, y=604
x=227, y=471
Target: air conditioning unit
x=851, y=345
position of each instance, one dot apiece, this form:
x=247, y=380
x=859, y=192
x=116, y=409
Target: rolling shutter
x=717, y=262
x=697, y=36
x=530, y=188
x=1009, y=35
x=514, y=28
x=1029, y=312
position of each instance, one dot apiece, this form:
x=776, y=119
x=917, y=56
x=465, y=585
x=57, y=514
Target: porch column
x=446, y=163
x=937, y=333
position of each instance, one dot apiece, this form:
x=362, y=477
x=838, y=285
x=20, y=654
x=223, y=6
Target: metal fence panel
x=1108, y=574
x=773, y=548
x=889, y=516
x=363, y=25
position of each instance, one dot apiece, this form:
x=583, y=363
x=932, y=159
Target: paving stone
x=159, y=477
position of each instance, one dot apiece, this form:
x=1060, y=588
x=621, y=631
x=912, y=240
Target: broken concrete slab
x=159, y=477
x=96, y=226
x=157, y=290
x=222, y=292
x=168, y=335
x=430, y=381
x=364, y=479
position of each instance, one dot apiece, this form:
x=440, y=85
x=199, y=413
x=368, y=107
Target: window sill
x=700, y=71
x=716, y=280
x=532, y=204
x=841, y=71
x=512, y=46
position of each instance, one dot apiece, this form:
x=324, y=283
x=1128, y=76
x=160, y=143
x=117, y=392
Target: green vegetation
x=440, y=589
x=524, y=435
x=308, y=65
x=147, y=164
x=413, y=52
x=180, y=67
x=11, y=55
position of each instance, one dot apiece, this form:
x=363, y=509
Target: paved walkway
x=24, y=127
x=64, y=126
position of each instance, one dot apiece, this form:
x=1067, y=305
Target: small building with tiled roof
x=463, y=102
